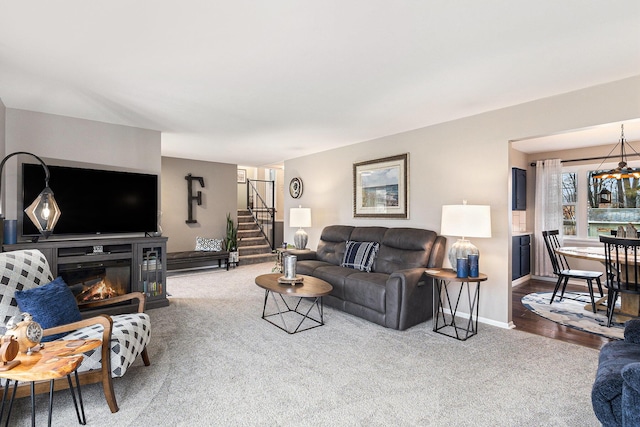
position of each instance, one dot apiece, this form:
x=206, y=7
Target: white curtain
x=548, y=214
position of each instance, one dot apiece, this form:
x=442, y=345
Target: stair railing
x=261, y=205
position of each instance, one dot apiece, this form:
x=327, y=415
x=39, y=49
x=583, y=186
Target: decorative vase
x=461, y=249
x=290, y=266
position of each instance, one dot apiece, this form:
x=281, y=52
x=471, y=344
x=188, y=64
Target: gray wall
x=218, y=199
x=60, y=140
x=3, y=114
x=467, y=159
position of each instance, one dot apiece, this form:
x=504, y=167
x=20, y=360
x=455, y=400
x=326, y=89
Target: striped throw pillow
x=360, y=255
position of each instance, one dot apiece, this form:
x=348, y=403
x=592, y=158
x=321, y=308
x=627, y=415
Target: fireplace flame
x=96, y=292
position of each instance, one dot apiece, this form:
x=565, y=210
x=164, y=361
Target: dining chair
x=622, y=275
x=564, y=272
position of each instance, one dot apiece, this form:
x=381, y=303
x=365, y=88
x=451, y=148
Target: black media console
x=142, y=258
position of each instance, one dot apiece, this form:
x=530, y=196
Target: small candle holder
x=462, y=269
x=473, y=265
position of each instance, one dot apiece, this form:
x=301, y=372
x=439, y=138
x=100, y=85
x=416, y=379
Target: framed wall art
x=381, y=188
x=242, y=176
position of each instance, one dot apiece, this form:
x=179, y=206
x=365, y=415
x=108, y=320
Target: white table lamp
x=300, y=217
x=465, y=221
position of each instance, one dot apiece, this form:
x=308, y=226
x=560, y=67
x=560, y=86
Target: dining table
x=629, y=303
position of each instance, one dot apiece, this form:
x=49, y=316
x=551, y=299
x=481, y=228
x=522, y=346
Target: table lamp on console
x=465, y=221
x=300, y=217
x=44, y=211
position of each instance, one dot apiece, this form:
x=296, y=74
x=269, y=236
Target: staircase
x=253, y=248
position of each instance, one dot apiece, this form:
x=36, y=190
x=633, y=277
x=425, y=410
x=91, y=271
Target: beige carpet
x=215, y=362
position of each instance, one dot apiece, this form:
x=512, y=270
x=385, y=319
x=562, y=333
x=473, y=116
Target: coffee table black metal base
x=293, y=308
x=310, y=289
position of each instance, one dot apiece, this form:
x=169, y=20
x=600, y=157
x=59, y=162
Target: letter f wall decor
x=191, y=198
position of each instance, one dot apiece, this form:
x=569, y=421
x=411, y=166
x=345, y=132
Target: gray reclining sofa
x=395, y=293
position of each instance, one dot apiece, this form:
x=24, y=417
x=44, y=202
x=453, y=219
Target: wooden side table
x=57, y=359
x=443, y=278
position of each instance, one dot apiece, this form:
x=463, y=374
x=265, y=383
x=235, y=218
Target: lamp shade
x=44, y=212
x=300, y=217
x=466, y=220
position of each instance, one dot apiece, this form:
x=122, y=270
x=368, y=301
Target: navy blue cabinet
x=520, y=256
x=519, y=189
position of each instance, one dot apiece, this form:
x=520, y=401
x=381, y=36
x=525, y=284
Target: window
x=591, y=207
x=612, y=203
x=569, y=199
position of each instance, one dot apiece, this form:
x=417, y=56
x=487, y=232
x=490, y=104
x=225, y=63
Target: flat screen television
x=94, y=201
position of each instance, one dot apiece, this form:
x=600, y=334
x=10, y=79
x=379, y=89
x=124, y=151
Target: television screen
x=94, y=201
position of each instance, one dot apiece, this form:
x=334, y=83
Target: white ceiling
x=257, y=82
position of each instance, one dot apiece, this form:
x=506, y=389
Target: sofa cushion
x=368, y=234
x=335, y=275
x=360, y=255
x=307, y=267
x=50, y=305
x=367, y=290
x=333, y=243
x=404, y=248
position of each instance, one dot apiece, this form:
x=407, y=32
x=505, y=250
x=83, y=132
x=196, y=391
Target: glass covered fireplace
x=95, y=281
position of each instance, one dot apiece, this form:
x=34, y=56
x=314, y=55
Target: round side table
x=445, y=323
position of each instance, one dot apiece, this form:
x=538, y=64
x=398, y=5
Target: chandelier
x=622, y=171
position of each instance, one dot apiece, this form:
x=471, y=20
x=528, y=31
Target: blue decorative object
x=10, y=231
x=360, y=255
x=473, y=265
x=462, y=269
x=50, y=305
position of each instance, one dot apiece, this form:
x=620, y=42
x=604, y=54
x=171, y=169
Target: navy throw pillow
x=360, y=255
x=50, y=305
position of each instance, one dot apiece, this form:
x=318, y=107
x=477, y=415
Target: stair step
x=250, y=241
x=245, y=234
x=257, y=259
x=253, y=242
x=253, y=250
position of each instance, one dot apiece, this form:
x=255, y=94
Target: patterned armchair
x=124, y=336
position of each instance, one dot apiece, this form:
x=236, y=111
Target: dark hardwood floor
x=527, y=321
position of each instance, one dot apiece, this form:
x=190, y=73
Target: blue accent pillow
x=360, y=255
x=50, y=305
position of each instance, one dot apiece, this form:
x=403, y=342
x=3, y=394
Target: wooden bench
x=194, y=259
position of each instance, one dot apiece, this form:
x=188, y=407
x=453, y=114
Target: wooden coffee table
x=310, y=287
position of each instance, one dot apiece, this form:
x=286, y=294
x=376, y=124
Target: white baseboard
x=503, y=325
x=521, y=280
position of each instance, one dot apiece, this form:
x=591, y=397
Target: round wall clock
x=295, y=188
